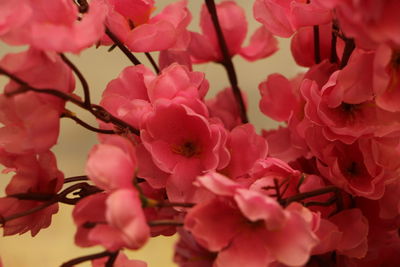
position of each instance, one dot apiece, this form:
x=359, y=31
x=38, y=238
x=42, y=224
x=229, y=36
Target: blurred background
x=55, y=245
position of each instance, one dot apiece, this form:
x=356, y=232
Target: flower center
x=187, y=149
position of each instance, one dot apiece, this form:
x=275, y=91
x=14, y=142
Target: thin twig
x=348, y=50
x=78, y=73
x=122, y=47
x=98, y=111
x=334, y=57
x=305, y=195
x=85, y=190
x=175, y=204
x=317, y=48
x=76, y=179
x=227, y=61
x=111, y=259
x=152, y=62
x=79, y=260
x=85, y=125
x=164, y=223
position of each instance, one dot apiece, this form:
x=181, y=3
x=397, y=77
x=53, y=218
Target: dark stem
x=83, y=6
x=78, y=73
x=3, y=220
x=76, y=179
x=334, y=57
x=85, y=125
x=305, y=195
x=348, y=50
x=175, y=204
x=98, y=111
x=122, y=47
x=317, y=48
x=84, y=191
x=111, y=259
x=164, y=223
x=73, y=262
x=227, y=61
x=152, y=62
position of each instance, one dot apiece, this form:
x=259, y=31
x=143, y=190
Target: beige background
x=55, y=245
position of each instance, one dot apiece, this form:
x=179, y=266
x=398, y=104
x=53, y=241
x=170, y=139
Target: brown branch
x=122, y=47
x=152, y=62
x=76, y=179
x=98, y=111
x=78, y=73
x=73, y=262
x=164, y=223
x=305, y=195
x=348, y=50
x=334, y=57
x=227, y=61
x=175, y=204
x=68, y=114
x=84, y=191
x=317, y=48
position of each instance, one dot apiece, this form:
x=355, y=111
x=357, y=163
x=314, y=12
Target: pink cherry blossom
x=386, y=83
x=246, y=147
x=205, y=47
x=31, y=120
x=166, y=30
x=102, y=220
x=369, y=23
x=283, y=18
x=251, y=228
x=273, y=91
x=34, y=174
x=224, y=107
x=188, y=253
x=111, y=164
x=350, y=167
x=58, y=19
x=183, y=143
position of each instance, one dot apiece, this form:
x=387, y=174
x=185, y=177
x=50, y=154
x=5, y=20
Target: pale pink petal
x=201, y=222
x=151, y=37
x=262, y=45
x=125, y=213
x=247, y=249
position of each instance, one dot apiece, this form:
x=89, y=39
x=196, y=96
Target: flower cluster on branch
x=321, y=190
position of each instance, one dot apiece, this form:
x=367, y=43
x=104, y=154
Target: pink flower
x=224, y=107
x=344, y=106
x=130, y=21
x=370, y=24
x=188, y=253
x=205, y=47
x=245, y=147
x=31, y=120
x=345, y=232
x=34, y=174
x=174, y=134
x=276, y=90
x=302, y=45
x=58, y=19
x=248, y=228
x=352, y=168
x=132, y=95
x=284, y=17
x=111, y=164
x=386, y=81
x=113, y=220
x=183, y=143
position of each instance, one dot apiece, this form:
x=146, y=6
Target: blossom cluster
x=321, y=190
